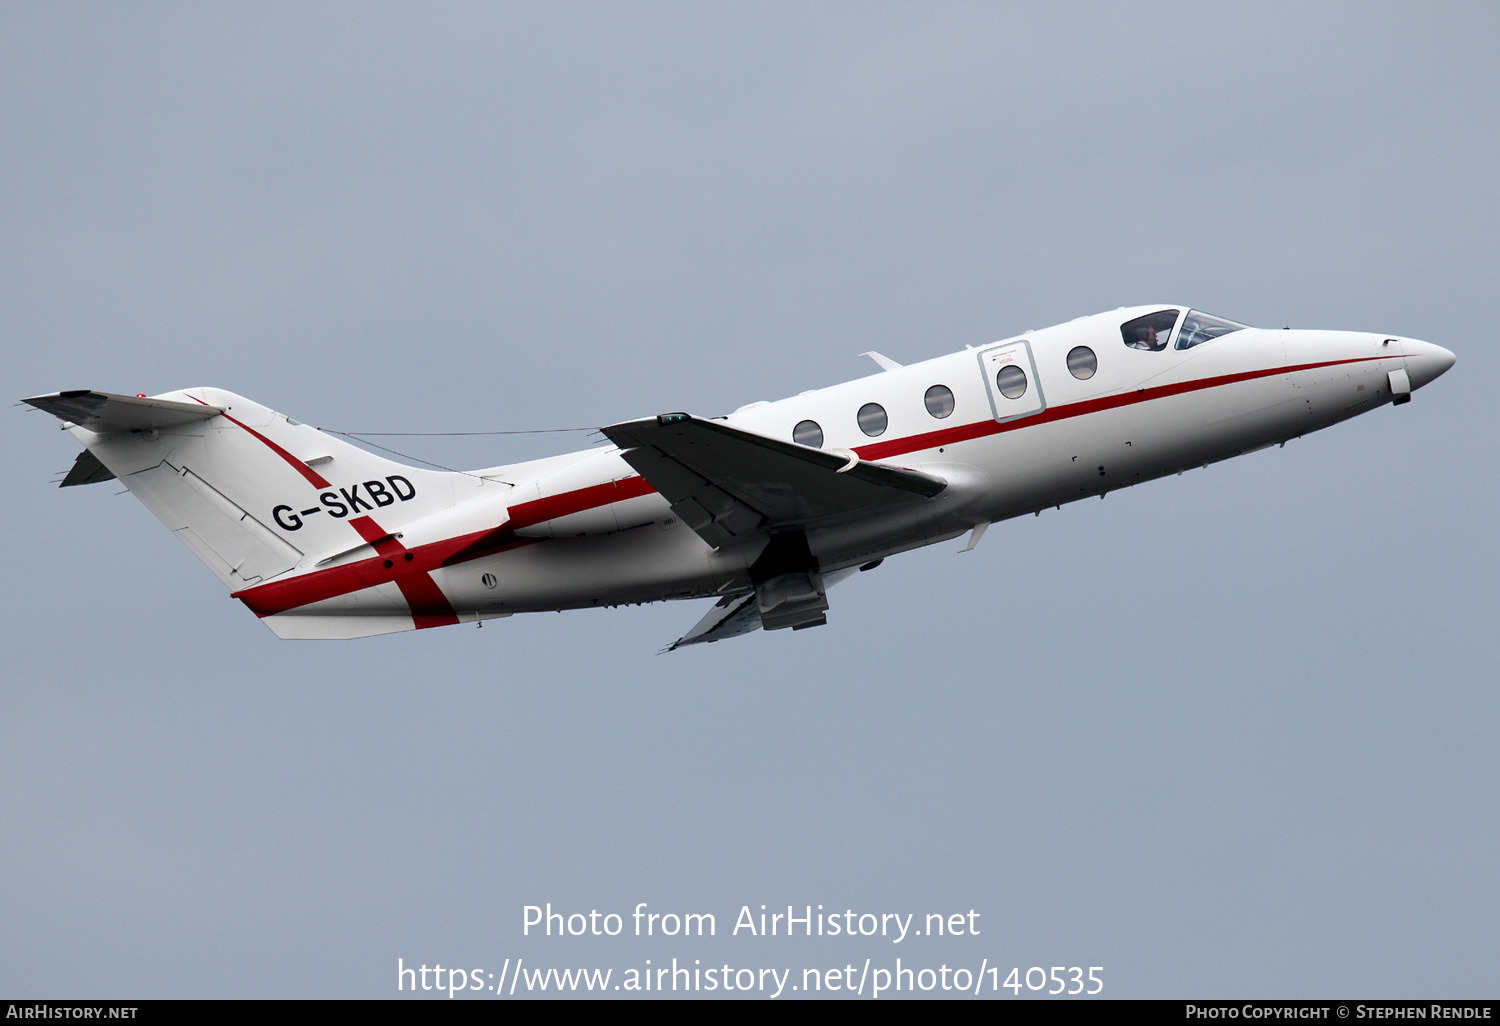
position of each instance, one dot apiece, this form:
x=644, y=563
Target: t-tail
x=263, y=500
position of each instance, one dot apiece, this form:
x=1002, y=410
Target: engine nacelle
x=600, y=494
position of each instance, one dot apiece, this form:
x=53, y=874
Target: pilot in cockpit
x=1150, y=332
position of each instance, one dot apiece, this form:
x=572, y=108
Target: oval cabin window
x=939, y=400
x=1011, y=380
x=1082, y=363
x=808, y=433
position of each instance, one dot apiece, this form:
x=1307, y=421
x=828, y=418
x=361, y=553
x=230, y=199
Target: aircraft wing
x=727, y=484
x=737, y=614
x=730, y=617
x=105, y=411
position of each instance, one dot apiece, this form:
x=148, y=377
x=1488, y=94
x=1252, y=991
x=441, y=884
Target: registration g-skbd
x=1056, y=979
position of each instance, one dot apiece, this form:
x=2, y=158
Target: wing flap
x=106, y=411
x=726, y=483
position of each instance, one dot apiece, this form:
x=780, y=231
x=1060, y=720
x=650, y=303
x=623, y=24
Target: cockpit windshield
x=1198, y=328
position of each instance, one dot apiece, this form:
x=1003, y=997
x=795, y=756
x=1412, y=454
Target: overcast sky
x=1227, y=734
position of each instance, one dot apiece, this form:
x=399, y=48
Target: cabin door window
x=1010, y=381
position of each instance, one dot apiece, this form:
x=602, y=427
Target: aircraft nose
x=1425, y=361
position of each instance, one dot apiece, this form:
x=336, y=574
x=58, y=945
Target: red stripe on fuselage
x=281, y=596
x=538, y=511
x=379, y=538
x=317, y=585
x=313, y=477
x=966, y=432
x=429, y=606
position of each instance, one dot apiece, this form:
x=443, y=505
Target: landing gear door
x=1010, y=380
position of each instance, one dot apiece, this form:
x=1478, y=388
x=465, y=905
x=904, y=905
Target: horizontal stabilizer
x=87, y=470
x=105, y=412
x=730, y=617
x=727, y=484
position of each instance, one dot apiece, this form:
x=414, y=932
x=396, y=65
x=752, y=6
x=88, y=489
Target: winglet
x=886, y=363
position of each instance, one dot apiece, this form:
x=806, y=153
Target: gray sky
x=1229, y=734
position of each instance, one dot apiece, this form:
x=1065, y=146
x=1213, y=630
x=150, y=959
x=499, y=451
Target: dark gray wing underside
x=730, y=617
x=86, y=470
x=106, y=411
x=729, y=484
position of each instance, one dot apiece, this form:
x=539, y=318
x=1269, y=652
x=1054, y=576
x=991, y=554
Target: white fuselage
x=1141, y=415
x=323, y=539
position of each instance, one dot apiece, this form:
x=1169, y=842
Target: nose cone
x=1425, y=361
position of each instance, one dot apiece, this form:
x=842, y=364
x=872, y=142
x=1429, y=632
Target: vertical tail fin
x=252, y=493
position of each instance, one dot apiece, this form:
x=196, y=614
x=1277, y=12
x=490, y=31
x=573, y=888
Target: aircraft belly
x=381, y=600
x=965, y=500
x=1251, y=415
x=1338, y=393
x=848, y=545
x=326, y=627
x=645, y=564
x=1116, y=448
x=1367, y=386
x=1027, y=463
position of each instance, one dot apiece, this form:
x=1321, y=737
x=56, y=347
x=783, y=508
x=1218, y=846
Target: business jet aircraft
x=761, y=510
